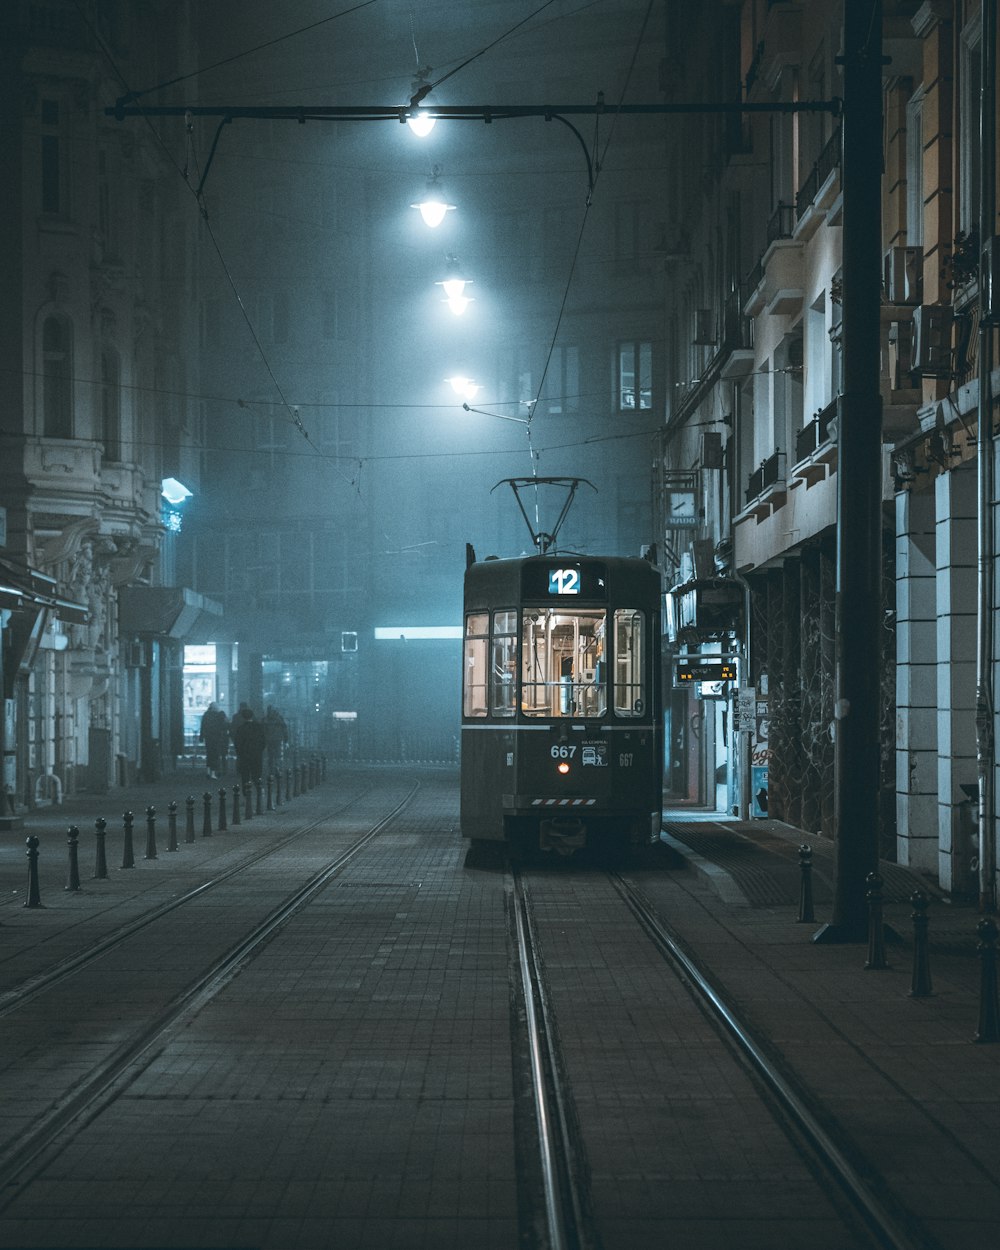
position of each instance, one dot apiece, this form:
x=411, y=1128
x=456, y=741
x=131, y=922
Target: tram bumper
x=562, y=834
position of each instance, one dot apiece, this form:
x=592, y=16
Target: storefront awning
x=28, y=590
x=166, y=611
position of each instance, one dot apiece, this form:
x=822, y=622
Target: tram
x=561, y=719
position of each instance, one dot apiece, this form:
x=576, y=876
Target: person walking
x=276, y=735
x=214, y=732
x=249, y=740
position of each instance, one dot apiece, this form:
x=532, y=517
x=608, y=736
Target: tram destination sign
x=563, y=579
x=689, y=670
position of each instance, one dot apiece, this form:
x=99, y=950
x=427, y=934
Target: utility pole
x=859, y=482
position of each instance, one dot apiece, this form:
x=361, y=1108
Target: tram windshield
x=568, y=665
x=562, y=663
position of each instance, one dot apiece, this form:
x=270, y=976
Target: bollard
x=171, y=826
x=236, y=806
x=128, y=854
x=222, y=809
x=34, y=898
x=322, y=767
x=876, y=930
x=288, y=785
x=806, y=913
x=989, y=1008
x=189, y=826
x=73, y=870
x=270, y=792
x=101, y=859
x=920, y=984
x=150, y=833
x=296, y=779
x=259, y=791
x=277, y=787
x=206, y=820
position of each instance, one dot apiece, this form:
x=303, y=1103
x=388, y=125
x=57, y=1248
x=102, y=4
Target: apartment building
x=754, y=241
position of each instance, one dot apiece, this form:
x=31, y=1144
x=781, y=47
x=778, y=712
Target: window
x=915, y=170
x=57, y=378
x=562, y=382
x=635, y=376
x=111, y=422
x=562, y=671
x=474, y=673
x=52, y=197
x=629, y=694
x=969, y=119
x=504, y=642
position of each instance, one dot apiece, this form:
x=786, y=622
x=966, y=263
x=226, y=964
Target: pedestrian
x=276, y=735
x=249, y=740
x=214, y=732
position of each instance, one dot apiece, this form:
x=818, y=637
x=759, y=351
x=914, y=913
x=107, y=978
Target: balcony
x=766, y=488
x=817, y=192
x=816, y=447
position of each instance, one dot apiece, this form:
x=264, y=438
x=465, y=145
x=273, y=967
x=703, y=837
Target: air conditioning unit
x=134, y=653
x=712, y=455
x=903, y=275
x=932, y=340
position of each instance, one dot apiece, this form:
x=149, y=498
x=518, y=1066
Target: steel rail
x=116, y=1072
x=878, y=1220
x=17, y=996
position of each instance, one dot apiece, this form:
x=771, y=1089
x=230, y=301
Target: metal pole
x=859, y=482
x=985, y=657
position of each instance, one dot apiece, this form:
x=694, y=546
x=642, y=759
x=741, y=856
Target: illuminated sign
x=564, y=581
x=704, y=668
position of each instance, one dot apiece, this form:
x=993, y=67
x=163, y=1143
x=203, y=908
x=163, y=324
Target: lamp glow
x=421, y=126
x=464, y=386
x=433, y=207
x=458, y=303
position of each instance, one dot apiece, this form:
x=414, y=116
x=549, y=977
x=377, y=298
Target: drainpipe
x=985, y=728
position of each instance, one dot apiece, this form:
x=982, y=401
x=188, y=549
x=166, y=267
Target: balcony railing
x=768, y=474
x=782, y=223
x=826, y=163
x=816, y=432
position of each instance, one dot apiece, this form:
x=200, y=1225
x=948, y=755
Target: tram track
x=563, y=1219
x=67, y=1115
x=19, y=995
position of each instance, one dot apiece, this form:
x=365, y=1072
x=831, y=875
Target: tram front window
x=562, y=663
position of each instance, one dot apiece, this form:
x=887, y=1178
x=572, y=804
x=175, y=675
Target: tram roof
x=495, y=580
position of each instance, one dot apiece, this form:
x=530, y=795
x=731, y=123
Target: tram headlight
x=562, y=767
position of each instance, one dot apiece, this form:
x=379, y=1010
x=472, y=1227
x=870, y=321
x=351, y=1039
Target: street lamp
x=433, y=207
x=454, y=285
x=421, y=126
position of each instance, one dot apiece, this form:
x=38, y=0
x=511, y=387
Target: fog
x=342, y=477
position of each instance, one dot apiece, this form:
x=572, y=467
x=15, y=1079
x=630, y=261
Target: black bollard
x=151, y=833
x=288, y=785
x=128, y=853
x=189, y=826
x=101, y=859
x=171, y=826
x=989, y=1007
x=236, y=806
x=277, y=787
x=258, y=786
x=222, y=809
x=322, y=768
x=270, y=792
x=920, y=984
x=34, y=897
x=206, y=820
x=73, y=869
x=296, y=780
x=876, y=930
x=806, y=913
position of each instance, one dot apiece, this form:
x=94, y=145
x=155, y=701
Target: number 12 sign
x=564, y=581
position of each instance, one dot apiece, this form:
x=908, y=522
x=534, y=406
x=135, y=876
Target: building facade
x=756, y=243
x=98, y=362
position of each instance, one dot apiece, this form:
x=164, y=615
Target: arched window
x=111, y=406
x=57, y=378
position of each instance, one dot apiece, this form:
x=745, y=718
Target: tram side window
x=630, y=686
x=474, y=676
x=562, y=663
x=504, y=637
